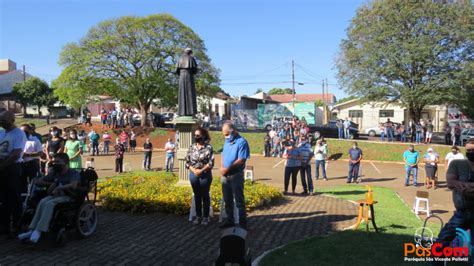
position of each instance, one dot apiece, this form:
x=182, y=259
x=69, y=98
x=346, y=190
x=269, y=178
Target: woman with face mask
x=73, y=149
x=431, y=160
x=55, y=143
x=199, y=161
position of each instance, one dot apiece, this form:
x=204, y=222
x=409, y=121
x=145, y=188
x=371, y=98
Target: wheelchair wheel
x=86, y=219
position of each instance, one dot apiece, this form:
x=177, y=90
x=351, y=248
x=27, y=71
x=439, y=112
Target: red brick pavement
x=165, y=239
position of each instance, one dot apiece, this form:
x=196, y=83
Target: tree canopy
x=275, y=91
x=34, y=91
x=133, y=59
x=413, y=52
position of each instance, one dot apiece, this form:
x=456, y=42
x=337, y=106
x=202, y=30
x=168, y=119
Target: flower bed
x=145, y=192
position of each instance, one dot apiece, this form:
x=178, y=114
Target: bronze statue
x=186, y=68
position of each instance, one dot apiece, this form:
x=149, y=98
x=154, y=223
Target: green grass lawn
x=39, y=122
x=338, y=148
x=396, y=222
x=382, y=151
x=255, y=141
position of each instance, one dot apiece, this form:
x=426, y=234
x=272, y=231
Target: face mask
x=57, y=168
x=198, y=139
x=354, y=147
x=470, y=156
x=72, y=136
x=54, y=133
x=303, y=142
x=231, y=132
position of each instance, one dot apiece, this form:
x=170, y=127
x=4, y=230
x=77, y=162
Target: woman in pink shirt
x=106, y=137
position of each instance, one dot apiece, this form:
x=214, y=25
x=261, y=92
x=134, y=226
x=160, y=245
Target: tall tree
x=34, y=91
x=412, y=52
x=133, y=59
x=275, y=91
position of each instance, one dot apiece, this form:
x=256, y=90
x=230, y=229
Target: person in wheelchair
x=60, y=181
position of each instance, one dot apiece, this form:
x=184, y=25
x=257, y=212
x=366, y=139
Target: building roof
x=5, y=71
x=286, y=98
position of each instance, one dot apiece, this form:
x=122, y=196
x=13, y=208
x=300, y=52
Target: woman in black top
x=199, y=161
x=55, y=143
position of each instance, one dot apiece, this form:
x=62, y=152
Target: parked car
x=168, y=116
x=375, y=131
x=158, y=120
x=467, y=134
x=330, y=130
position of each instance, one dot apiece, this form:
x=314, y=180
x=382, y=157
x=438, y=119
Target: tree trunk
x=144, y=113
x=415, y=113
x=24, y=111
x=39, y=111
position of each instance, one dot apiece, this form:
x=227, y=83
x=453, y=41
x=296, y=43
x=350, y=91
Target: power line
x=308, y=72
x=258, y=74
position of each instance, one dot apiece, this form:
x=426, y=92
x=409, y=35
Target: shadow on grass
x=335, y=157
x=349, y=192
x=360, y=247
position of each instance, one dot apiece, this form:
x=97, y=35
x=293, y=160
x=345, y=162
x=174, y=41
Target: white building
x=370, y=114
x=9, y=76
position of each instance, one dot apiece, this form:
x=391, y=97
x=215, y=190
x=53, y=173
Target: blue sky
x=251, y=42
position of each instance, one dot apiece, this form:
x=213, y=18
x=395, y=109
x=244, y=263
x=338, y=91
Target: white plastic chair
x=223, y=214
x=192, y=211
x=421, y=197
x=248, y=174
x=90, y=163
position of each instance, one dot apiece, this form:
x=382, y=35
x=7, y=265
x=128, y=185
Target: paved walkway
x=164, y=239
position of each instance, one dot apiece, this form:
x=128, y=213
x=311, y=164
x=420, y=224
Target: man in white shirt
x=170, y=149
x=31, y=155
x=453, y=155
x=207, y=121
x=347, y=125
x=12, y=143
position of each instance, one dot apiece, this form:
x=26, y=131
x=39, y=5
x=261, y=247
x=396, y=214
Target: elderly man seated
x=61, y=179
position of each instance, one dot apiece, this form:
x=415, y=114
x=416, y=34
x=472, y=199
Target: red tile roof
x=286, y=98
x=5, y=71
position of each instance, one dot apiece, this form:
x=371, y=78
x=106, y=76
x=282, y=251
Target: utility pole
x=324, y=104
x=24, y=72
x=293, y=81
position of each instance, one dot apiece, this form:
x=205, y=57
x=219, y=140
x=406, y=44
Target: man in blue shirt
x=355, y=156
x=305, y=169
x=411, y=158
x=234, y=155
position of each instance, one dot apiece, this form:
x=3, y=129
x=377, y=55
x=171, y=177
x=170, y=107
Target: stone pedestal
x=185, y=125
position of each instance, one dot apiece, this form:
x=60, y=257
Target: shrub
x=146, y=192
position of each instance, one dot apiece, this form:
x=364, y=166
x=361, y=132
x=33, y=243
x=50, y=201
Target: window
x=355, y=113
x=386, y=113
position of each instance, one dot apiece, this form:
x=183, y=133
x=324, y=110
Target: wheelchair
x=79, y=214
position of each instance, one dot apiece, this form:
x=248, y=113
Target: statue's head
x=188, y=51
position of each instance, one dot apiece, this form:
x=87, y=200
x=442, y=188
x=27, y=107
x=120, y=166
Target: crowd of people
x=431, y=159
x=284, y=130
x=418, y=132
x=112, y=119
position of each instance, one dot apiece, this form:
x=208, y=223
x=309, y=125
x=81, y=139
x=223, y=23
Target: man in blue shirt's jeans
x=234, y=155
